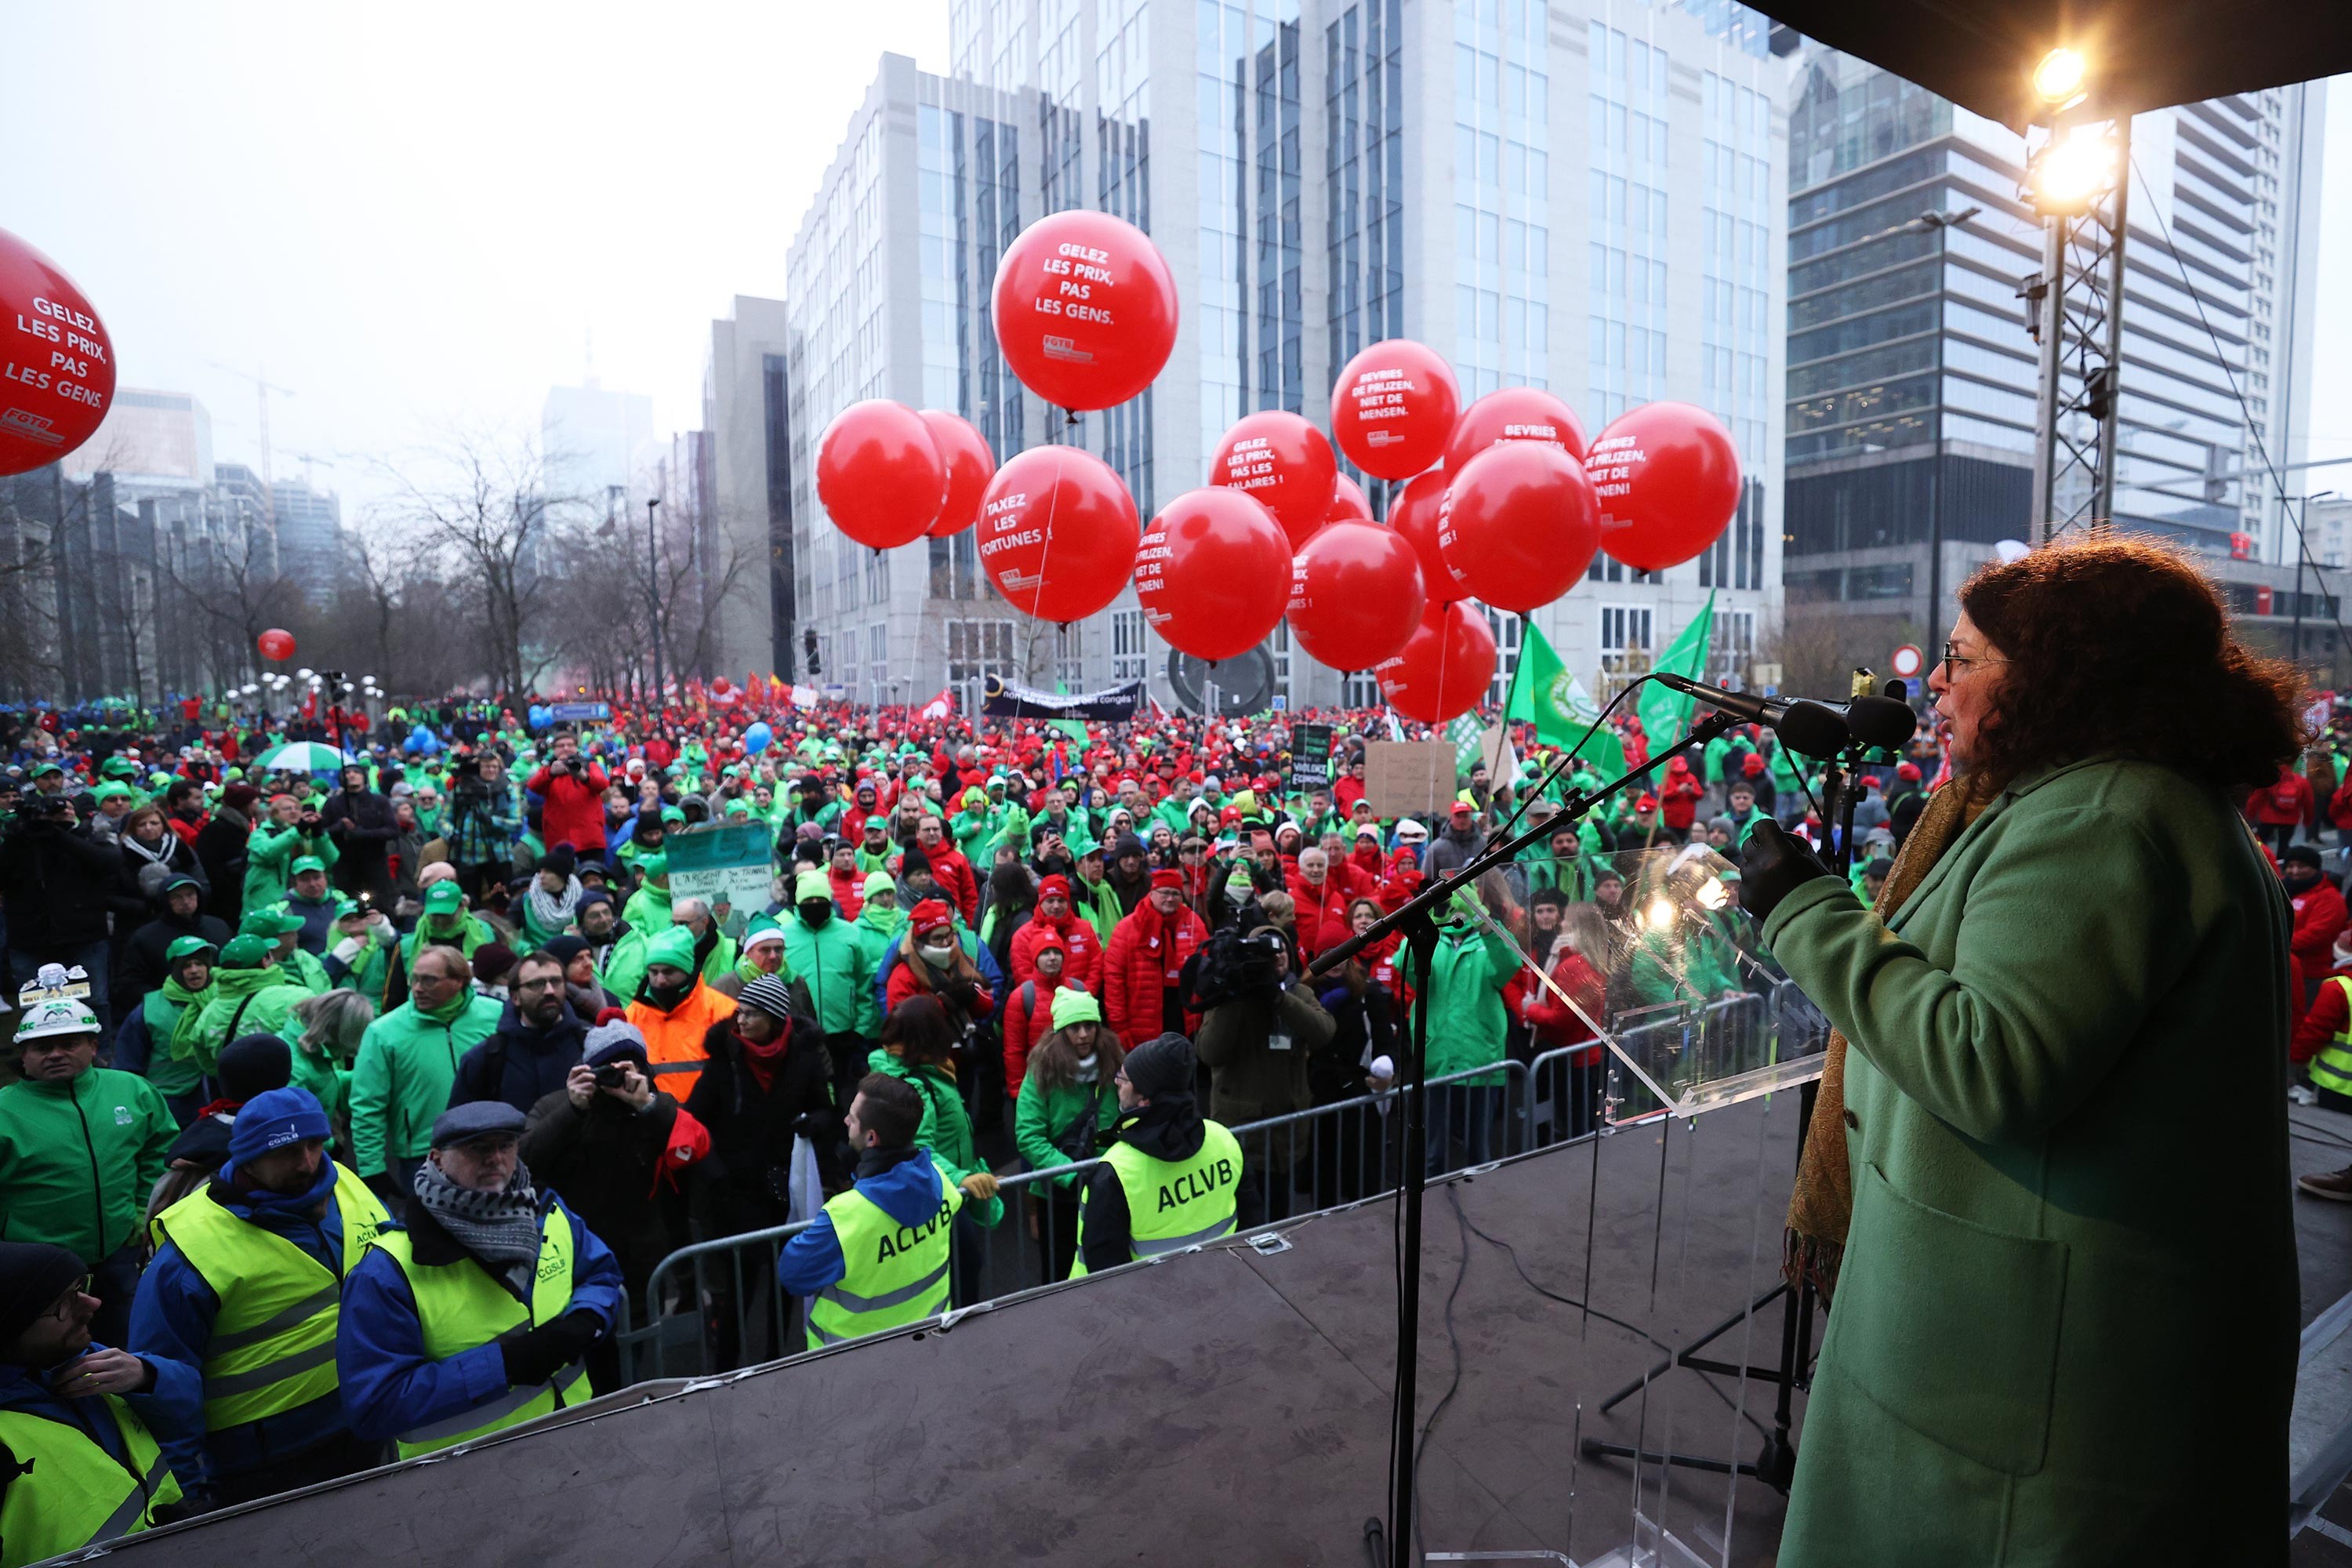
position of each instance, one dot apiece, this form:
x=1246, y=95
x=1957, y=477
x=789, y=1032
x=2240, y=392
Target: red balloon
x=1212, y=575
x=1444, y=667
x=59, y=361
x=1393, y=406
x=1355, y=595
x=1415, y=513
x=1058, y=533
x=1519, y=525
x=276, y=644
x=970, y=464
x=878, y=473
x=1085, y=309
x=1348, y=502
x=1282, y=461
x=1668, y=479
x=1515, y=414
x=721, y=686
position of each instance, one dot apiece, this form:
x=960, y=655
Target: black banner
x=1310, y=757
x=1001, y=699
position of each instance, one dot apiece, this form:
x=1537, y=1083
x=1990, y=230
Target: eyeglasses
x=1954, y=658
x=63, y=1311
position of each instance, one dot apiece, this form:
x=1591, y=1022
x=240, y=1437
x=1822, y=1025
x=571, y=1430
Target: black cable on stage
x=1454, y=1340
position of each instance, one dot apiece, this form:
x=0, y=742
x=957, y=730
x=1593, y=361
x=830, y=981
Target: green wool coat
x=2066, y=1328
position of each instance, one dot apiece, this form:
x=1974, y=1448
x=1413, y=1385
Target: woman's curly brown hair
x=2120, y=645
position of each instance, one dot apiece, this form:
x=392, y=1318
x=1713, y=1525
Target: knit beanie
x=1161, y=1068
x=274, y=1119
x=33, y=1275
x=811, y=885
x=252, y=1064
x=1077, y=1007
x=768, y=995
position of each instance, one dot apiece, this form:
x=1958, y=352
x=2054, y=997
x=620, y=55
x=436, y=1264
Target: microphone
x=1881, y=722
x=1811, y=728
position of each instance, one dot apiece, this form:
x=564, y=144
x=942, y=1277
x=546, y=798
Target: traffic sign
x=1907, y=662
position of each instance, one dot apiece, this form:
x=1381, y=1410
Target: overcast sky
x=423, y=214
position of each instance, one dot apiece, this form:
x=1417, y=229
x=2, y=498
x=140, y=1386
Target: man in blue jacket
x=475, y=1315
x=242, y=1293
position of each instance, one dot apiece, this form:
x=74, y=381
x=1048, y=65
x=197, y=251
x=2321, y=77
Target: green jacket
x=330, y=1082
x=407, y=1063
x=78, y=1159
x=1464, y=998
x=833, y=963
x=304, y=969
x=470, y=935
x=163, y=1009
x=2066, y=1117
x=625, y=971
x=647, y=908
x=239, y=1002
x=270, y=857
x=1099, y=903
x=1044, y=1114
x=947, y=1126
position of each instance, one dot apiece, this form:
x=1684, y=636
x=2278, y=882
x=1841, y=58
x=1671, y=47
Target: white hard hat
x=63, y=1017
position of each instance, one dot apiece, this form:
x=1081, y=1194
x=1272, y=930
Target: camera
x=1261, y=960
x=612, y=1075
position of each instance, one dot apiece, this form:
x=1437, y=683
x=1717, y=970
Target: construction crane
x=262, y=388
x=308, y=458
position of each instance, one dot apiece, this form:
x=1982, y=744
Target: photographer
x=573, y=788
x=484, y=818
x=360, y=821
x=56, y=881
x=291, y=831
x=604, y=1140
x=1255, y=1039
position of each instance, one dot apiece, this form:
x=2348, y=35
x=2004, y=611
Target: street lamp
x=2058, y=80
x=653, y=596
x=2073, y=169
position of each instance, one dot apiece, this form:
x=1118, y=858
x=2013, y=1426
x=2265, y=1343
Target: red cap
x=1679, y=766
x=1753, y=766
x=1054, y=887
x=1647, y=803
x=928, y=916
x=1907, y=771
x=1166, y=876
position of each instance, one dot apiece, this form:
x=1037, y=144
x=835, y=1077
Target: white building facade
x=1589, y=198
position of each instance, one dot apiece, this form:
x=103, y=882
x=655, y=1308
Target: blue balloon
x=758, y=738
x=540, y=717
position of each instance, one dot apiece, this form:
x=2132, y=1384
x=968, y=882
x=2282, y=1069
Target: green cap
x=110, y=790
x=188, y=947
x=763, y=928
x=673, y=947
x=45, y=769
x=271, y=920
x=443, y=898
x=1074, y=1007
x=306, y=863
x=670, y=813
x=118, y=768
x=878, y=882
x=810, y=885
x=245, y=952
x=654, y=865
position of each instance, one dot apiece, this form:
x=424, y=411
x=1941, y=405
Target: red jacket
x=953, y=874
x=2339, y=806
x=1079, y=943
x=575, y=809
x=1678, y=802
x=1028, y=1019
x=1322, y=912
x=2282, y=804
x=848, y=892
x=2326, y=1019
x=1554, y=1022
x=2319, y=918
x=905, y=981
x=1143, y=960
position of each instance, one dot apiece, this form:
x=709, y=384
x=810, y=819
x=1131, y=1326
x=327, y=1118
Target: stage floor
x=1225, y=1407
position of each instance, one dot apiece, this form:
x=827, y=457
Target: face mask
x=815, y=912
x=666, y=997
x=938, y=957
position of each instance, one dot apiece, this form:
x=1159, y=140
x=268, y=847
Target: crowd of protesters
x=473, y=919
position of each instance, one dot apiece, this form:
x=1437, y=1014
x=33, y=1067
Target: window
x=977, y=648
x=1362, y=689
x=877, y=663
x=1731, y=647
x=1127, y=648
x=1624, y=645
x=1069, y=655
x=1506, y=627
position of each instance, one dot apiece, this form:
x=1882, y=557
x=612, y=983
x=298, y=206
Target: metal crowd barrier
x=716, y=1306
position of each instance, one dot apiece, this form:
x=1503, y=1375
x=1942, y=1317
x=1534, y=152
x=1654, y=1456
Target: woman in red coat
x=1029, y=1006
x=1578, y=964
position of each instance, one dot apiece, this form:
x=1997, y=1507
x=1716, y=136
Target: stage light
x=1712, y=894
x=1658, y=914
x=2073, y=169
x=2058, y=80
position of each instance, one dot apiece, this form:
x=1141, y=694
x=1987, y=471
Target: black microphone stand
x=1416, y=918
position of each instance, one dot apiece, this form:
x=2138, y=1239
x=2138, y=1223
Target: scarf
x=549, y=913
x=158, y=856
x=763, y=1060
x=186, y=1006
x=499, y=1228
x=1822, y=1206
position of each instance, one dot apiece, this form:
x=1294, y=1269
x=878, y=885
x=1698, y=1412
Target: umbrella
x=304, y=757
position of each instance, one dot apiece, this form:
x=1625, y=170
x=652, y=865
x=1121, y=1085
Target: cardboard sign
x=732, y=865
x=1402, y=777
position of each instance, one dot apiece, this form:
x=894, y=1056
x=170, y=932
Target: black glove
x=1772, y=866
x=817, y=1125
x=194, y=1502
x=537, y=1354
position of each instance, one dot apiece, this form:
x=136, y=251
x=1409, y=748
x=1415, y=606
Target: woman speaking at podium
x=2047, y=1177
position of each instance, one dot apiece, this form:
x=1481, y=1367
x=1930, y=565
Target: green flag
x=1665, y=713
x=1543, y=693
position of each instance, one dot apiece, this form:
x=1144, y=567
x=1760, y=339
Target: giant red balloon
x=970, y=465
x=1668, y=479
x=1348, y=502
x=1393, y=407
x=1212, y=575
x=1355, y=595
x=1085, y=309
x=1282, y=461
x=1444, y=667
x=57, y=367
x=1519, y=525
x=1413, y=513
x=1058, y=533
x=1513, y=414
x=276, y=644
x=878, y=473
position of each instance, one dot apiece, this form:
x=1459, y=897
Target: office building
x=151, y=442
x=1912, y=377
x=747, y=417
x=596, y=445
x=310, y=541
x=1585, y=197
